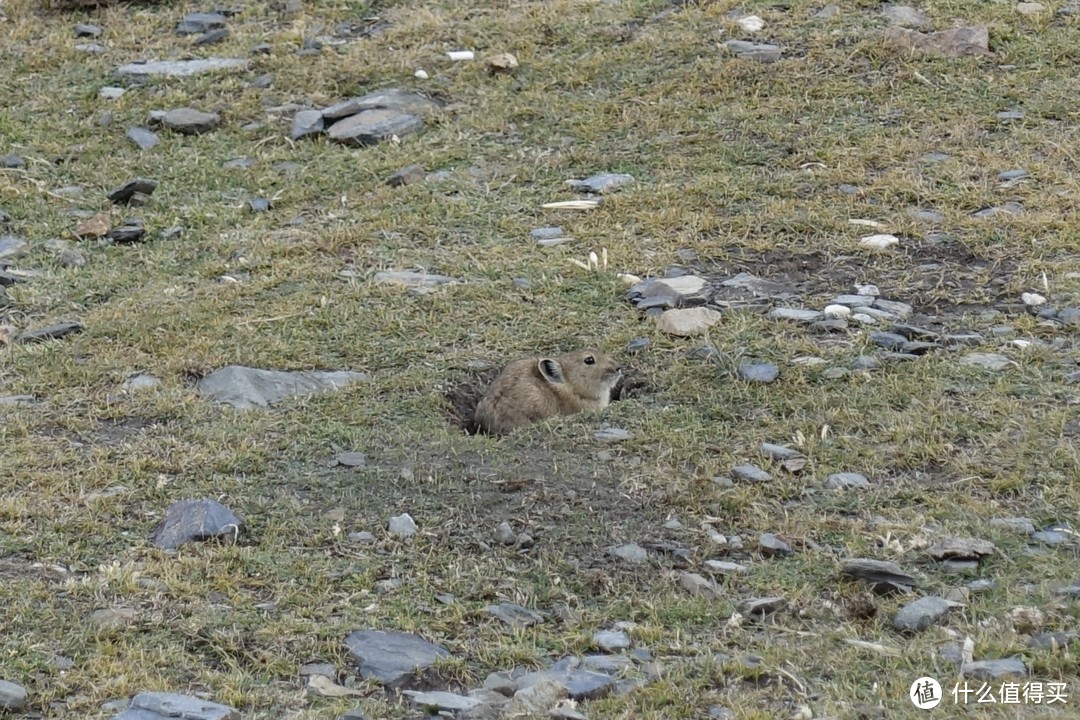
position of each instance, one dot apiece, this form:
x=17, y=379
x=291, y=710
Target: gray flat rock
x=800, y=315
x=52, y=332
x=631, y=553
x=245, y=388
x=879, y=572
x=921, y=614
x=989, y=670
x=306, y=122
x=988, y=361
x=413, y=279
x=373, y=126
x=12, y=696
x=189, y=121
x=580, y=684
x=194, y=520
x=390, y=99
x=158, y=705
x=515, y=615
x=959, y=548
x=395, y=659
x=758, y=372
x=442, y=701
x=750, y=473
x=123, y=194
x=761, y=52
x=181, y=68
x=846, y=481
x=611, y=640
x=603, y=183
x=144, y=138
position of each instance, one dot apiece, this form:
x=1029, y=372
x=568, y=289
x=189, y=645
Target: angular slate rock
x=189, y=121
x=158, y=706
x=194, y=520
x=611, y=640
x=989, y=670
x=846, y=481
x=373, y=126
x=878, y=573
x=390, y=99
x=761, y=52
x=198, y=22
x=130, y=231
x=145, y=138
x=245, y=388
x=211, y=37
x=600, y=184
x=123, y=195
x=12, y=696
x=750, y=473
x=395, y=659
x=52, y=332
x=921, y=614
x=180, y=68
x=306, y=122
x=515, y=615
x=580, y=684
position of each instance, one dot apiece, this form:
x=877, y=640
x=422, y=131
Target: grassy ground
x=736, y=161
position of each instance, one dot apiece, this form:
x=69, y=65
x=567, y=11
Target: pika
x=534, y=389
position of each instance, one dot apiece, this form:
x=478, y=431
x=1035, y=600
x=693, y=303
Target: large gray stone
x=395, y=659
x=180, y=68
x=12, y=696
x=390, y=99
x=190, y=121
x=921, y=614
x=306, y=122
x=192, y=520
x=245, y=388
x=373, y=126
x=580, y=684
x=158, y=705
x=989, y=670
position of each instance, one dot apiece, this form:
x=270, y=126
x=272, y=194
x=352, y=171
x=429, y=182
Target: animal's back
x=518, y=396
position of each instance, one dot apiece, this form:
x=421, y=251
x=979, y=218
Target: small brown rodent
x=534, y=389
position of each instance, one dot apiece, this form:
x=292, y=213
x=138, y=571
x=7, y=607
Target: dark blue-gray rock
x=373, y=126
x=921, y=614
x=760, y=607
x=750, y=473
x=846, y=481
x=180, y=68
x=580, y=684
x=1008, y=175
x=603, y=183
x=189, y=121
x=912, y=332
x=12, y=696
x=1069, y=316
x=611, y=640
x=637, y=345
x=758, y=372
x=159, y=706
x=245, y=388
x=397, y=660
x=631, y=553
x=887, y=340
x=990, y=670
x=12, y=246
x=770, y=545
x=195, y=520
x=261, y=49
x=12, y=162
x=391, y=99
x=211, y=37
x=515, y=615
x=879, y=573
x=129, y=231
x=51, y=332
x=962, y=340
x=305, y=123
x=1054, y=641
x=258, y=205
x=87, y=30
x=761, y=52
x=407, y=175
x=123, y=195
x=198, y=22
x=1049, y=537
x=143, y=137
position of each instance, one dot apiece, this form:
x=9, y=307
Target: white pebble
x=751, y=23
x=837, y=311
x=1033, y=299
x=421, y=73
x=879, y=242
x=461, y=55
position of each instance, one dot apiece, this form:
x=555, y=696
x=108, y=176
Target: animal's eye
x=590, y=360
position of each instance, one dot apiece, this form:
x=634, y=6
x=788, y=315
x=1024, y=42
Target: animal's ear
x=551, y=370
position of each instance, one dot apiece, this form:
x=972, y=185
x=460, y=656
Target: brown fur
x=534, y=389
